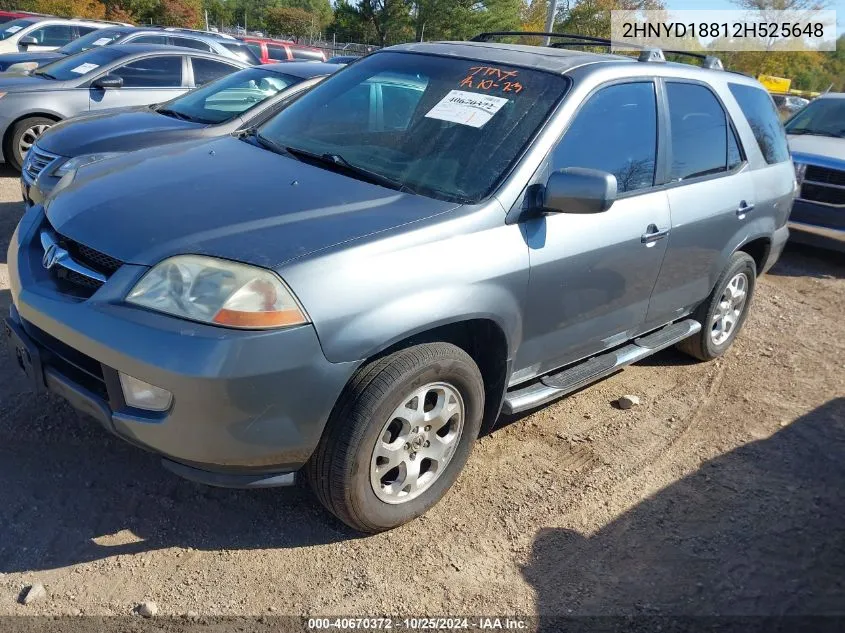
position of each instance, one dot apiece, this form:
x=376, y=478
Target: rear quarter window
x=759, y=110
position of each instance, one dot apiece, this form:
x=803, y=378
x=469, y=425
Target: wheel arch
x=754, y=238
x=759, y=249
x=7, y=133
x=486, y=342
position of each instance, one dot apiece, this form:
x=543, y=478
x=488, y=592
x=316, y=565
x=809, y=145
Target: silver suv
x=438, y=233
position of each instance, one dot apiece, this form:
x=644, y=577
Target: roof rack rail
x=707, y=61
x=181, y=29
x=647, y=53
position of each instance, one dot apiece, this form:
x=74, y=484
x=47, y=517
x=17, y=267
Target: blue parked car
x=817, y=141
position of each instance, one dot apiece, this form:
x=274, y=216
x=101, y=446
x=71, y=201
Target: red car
x=275, y=51
x=8, y=16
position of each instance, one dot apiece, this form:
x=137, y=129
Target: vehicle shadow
x=799, y=260
x=757, y=531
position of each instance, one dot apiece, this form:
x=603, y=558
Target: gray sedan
x=243, y=99
x=104, y=77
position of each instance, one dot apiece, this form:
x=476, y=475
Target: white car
x=41, y=33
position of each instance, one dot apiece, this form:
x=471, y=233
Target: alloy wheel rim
x=29, y=137
x=417, y=443
x=728, y=312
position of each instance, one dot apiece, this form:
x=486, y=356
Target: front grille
x=78, y=367
x=36, y=161
x=824, y=194
x=825, y=175
x=81, y=270
x=87, y=256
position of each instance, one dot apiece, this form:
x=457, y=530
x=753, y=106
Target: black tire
x=339, y=469
x=12, y=151
x=701, y=345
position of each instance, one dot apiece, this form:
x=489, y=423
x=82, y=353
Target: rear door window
x=152, y=72
x=757, y=106
x=307, y=54
x=53, y=35
x=148, y=39
x=615, y=131
x=187, y=42
x=278, y=53
x=241, y=52
x=699, y=132
x=207, y=70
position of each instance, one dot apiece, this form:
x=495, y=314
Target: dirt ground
x=723, y=493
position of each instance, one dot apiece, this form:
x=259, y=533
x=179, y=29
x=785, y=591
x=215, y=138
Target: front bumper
x=818, y=225
x=245, y=403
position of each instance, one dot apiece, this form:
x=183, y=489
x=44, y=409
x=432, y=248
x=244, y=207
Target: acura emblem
x=52, y=256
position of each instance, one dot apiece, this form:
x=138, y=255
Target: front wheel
x=23, y=136
x=399, y=436
x=723, y=313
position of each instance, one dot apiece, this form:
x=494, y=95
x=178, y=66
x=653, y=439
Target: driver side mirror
x=26, y=42
x=108, y=82
x=578, y=190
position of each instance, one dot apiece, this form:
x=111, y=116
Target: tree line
x=386, y=22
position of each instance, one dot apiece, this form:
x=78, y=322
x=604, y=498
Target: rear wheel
x=723, y=313
x=23, y=136
x=398, y=437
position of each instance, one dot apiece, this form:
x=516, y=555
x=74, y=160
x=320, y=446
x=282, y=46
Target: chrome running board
x=561, y=383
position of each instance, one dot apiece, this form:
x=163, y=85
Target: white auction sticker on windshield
x=13, y=29
x=84, y=68
x=466, y=108
x=101, y=42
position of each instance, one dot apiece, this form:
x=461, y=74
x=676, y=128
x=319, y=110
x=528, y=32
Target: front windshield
x=822, y=117
x=76, y=66
x=100, y=37
x=15, y=26
x=443, y=127
x=229, y=96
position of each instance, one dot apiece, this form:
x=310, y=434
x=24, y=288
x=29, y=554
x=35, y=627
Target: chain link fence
x=331, y=47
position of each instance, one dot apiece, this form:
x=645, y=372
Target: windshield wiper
x=263, y=141
x=336, y=160
x=45, y=75
x=174, y=113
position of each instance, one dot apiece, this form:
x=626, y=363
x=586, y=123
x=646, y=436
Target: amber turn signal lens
x=278, y=318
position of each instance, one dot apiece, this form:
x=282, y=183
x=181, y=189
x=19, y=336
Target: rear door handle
x=743, y=208
x=652, y=234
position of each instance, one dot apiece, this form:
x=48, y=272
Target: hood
x=825, y=148
x=113, y=131
x=21, y=82
x=15, y=58
x=225, y=198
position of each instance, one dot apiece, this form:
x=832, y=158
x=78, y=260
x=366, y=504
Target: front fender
x=371, y=332
x=366, y=297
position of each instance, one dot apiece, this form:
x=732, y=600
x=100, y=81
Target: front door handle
x=743, y=208
x=652, y=234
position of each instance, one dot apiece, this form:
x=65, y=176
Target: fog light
x=143, y=395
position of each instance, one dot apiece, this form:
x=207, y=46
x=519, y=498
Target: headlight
x=219, y=292
x=22, y=67
x=80, y=161
x=800, y=169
